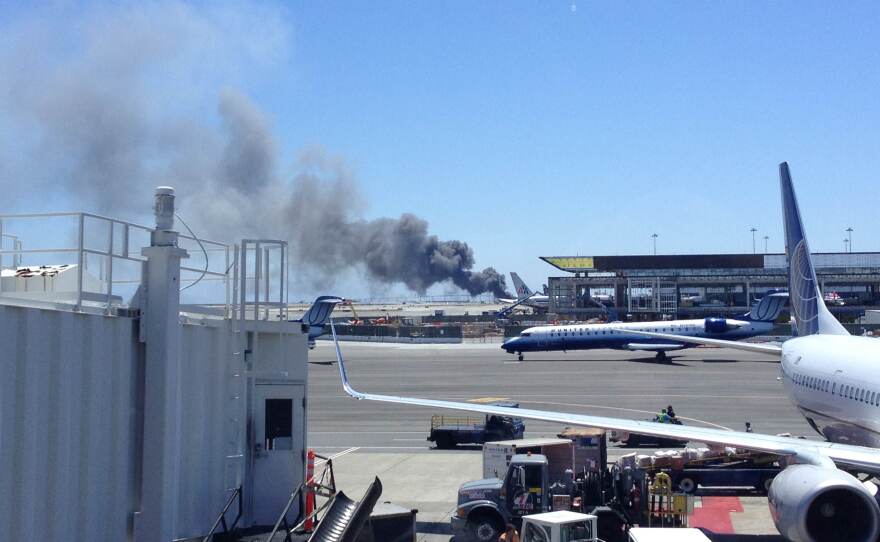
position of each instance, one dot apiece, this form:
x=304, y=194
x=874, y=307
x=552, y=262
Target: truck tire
x=484, y=527
x=687, y=484
x=444, y=442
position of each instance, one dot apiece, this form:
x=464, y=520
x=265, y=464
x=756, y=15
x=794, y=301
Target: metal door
x=278, y=449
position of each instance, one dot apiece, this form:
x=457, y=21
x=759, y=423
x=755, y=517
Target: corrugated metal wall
x=69, y=428
x=67, y=439
x=205, y=425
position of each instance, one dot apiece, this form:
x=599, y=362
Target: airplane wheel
x=520, y=357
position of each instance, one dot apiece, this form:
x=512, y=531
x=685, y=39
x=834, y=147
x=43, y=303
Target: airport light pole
x=849, y=231
x=753, y=230
x=654, y=238
x=846, y=247
x=765, y=243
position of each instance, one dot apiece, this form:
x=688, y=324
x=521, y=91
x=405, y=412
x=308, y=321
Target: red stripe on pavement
x=714, y=514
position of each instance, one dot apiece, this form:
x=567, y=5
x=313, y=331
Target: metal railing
x=221, y=519
x=116, y=246
x=324, y=486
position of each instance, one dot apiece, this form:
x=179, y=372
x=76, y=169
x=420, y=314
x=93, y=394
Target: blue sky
x=533, y=129
x=559, y=128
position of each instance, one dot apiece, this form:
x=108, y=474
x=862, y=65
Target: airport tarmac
x=712, y=386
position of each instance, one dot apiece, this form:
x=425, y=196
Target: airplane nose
x=509, y=344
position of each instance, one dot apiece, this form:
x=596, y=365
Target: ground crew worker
x=509, y=534
x=670, y=411
x=663, y=417
x=748, y=427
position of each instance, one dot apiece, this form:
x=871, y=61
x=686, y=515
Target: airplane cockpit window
x=526, y=334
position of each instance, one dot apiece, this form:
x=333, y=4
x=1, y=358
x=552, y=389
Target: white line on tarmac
x=340, y=454
x=409, y=440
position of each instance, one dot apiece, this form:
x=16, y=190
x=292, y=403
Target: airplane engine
x=816, y=504
x=717, y=325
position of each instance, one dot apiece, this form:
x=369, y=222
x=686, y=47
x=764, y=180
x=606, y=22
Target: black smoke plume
x=122, y=111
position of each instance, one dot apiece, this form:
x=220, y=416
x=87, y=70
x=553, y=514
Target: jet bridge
x=149, y=377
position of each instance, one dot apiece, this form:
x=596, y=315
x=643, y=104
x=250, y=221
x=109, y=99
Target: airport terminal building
x=698, y=284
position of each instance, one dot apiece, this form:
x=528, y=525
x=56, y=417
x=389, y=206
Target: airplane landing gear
x=662, y=358
x=520, y=356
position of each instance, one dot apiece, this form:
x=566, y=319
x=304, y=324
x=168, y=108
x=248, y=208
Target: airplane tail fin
x=320, y=311
x=767, y=308
x=521, y=289
x=807, y=306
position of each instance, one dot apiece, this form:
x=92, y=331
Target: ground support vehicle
x=740, y=470
x=633, y=439
x=571, y=478
x=560, y=526
x=497, y=455
x=449, y=431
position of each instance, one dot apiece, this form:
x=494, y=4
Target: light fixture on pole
x=753, y=230
x=766, y=237
x=849, y=231
x=654, y=238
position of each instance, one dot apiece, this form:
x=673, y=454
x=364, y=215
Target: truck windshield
x=574, y=532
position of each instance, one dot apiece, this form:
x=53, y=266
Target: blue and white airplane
x=830, y=376
x=618, y=335
x=318, y=315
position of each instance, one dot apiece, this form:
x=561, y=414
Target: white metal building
x=126, y=414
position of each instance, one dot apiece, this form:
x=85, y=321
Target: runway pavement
x=719, y=387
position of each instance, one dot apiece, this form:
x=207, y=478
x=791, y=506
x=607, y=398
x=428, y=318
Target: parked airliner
x=525, y=295
x=830, y=376
x=617, y=335
x=318, y=315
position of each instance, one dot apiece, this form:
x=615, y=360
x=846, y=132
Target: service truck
x=448, y=431
x=570, y=474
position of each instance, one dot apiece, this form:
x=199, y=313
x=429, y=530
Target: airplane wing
x=749, y=347
x=825, y=454
x=504, y=300
x=654, y=347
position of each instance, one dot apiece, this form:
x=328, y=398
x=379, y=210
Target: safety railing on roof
x=103, y=254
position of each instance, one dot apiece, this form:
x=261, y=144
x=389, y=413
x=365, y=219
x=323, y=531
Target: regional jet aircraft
x=618, y=335
x=830, y=376
x=318, y=315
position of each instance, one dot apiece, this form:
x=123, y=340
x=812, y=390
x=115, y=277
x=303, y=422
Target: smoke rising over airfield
x=124, y=111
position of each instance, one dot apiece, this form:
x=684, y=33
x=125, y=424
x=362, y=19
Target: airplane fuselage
x=591, y=336
x=833, y=381
x=535, y=302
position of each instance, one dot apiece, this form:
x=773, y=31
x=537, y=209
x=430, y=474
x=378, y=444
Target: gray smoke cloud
x=123, y=109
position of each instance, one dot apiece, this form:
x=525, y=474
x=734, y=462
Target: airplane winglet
x=342, y=374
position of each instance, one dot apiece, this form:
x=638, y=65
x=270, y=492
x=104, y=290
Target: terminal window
x=279, y=424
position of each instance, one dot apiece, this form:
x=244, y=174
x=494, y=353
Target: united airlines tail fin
x=767, y=308
x=320, y=311
x=521, y=289
x=808, y=309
